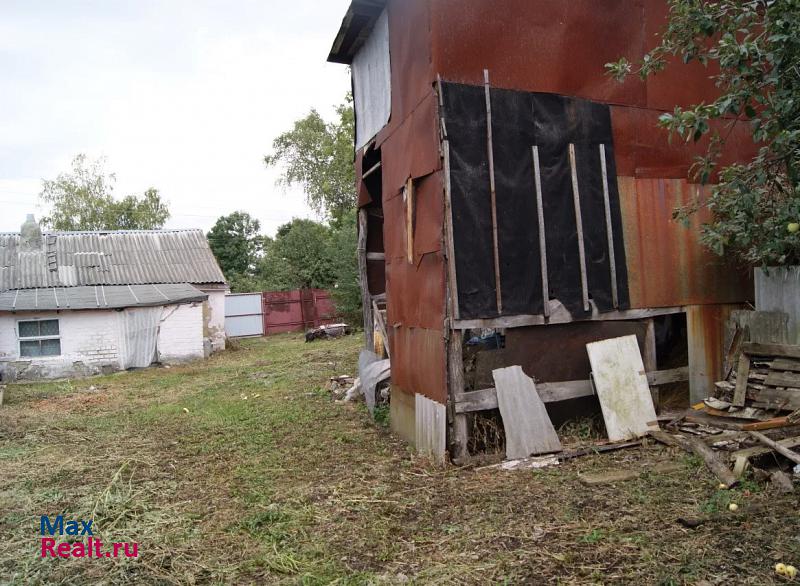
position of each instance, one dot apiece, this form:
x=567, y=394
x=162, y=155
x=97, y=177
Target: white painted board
x=528, y=428
x=621, y=384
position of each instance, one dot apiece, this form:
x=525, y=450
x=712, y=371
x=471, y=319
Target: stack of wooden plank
x=765, y=383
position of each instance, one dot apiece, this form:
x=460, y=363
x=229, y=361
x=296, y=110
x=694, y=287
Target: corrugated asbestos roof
x=74, y=259
x=356, y=26
x=98, y=297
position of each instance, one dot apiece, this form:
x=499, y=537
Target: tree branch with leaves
x=318, y=156
x=754, y=50
x=83, y=200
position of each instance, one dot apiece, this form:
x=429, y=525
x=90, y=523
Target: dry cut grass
x=242, y=470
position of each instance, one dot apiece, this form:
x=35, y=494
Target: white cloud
x=183, y=96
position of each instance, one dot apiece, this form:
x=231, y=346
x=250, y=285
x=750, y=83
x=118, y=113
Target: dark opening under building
x=509, y=188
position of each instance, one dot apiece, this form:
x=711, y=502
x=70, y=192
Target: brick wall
x=89, y=345
x=90, y=342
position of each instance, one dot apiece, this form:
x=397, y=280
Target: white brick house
x=82, y=303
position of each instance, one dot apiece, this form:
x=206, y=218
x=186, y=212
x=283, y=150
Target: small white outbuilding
x=83, y=303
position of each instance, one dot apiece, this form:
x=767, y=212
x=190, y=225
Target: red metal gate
x=296, y=311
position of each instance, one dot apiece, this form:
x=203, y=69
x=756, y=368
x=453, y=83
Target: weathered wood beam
x=537, y=177
x=782, y=350
x=559, y=315
x=742, y=373
x=485, y=399
x=450, y=247
x=493, y=193
x=371, y=170
x=609, y=228
x=697, y=447
x=576, y=200
x=366, y=300
x=665, y=377
x=782, y=450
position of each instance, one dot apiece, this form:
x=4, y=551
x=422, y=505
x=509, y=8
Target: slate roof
x=76, y=259
x=98, y=297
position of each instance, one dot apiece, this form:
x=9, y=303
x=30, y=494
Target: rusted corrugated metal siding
x=706, y=337
x=416, y=290
x=418, y=362
x=667, y=265
x=410, y=149
x=560, y=47
x=642, y=149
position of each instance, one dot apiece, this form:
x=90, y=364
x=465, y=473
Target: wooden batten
x=366, y=300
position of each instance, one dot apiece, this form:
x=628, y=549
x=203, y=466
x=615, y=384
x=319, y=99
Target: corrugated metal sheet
x=98, y=297
x=778, y=289
x=667, y=264
x=110, y=258
x=419, y=361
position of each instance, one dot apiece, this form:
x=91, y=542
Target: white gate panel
x=243, y=315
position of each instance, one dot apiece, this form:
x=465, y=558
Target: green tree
x=237, y=244
x=346, y=291
x=753, y=48
x=318, y=156
x=83, y=200
x=298, y=257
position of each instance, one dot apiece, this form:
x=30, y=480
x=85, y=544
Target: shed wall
x=409, y=144
x=180, y=335
x=214, y=319
x=91, y=342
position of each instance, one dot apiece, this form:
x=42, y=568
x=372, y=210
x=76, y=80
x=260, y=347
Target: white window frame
x=21, y=338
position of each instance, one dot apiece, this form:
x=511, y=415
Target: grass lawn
x=243, y=470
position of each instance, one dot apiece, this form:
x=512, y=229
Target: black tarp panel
x=519, y=121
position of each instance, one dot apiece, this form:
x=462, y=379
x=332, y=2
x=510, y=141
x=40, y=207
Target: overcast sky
x=182, y=95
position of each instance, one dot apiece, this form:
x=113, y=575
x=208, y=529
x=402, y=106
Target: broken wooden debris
x=622, y=388
x=528, y=428
x=699, y=448
x=782, y=450
x=531, y=463
x=768, y=376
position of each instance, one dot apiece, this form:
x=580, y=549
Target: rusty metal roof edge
x=356, y=34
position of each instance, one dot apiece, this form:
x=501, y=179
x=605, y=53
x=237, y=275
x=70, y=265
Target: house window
x=39, y=338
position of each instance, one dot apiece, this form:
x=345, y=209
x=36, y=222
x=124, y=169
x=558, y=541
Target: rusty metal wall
x=667, y=265
x=416, y=290
x=644, y=150
x=705, y=336
x=562, y=47
x=409, y=144
x=418, y=362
